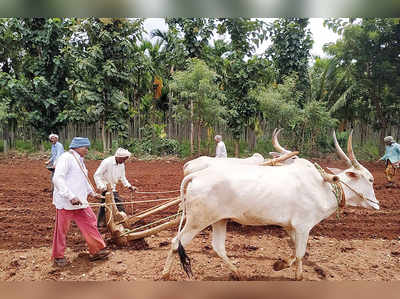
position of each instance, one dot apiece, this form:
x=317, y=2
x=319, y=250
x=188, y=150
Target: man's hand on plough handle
x=132, y=188
x=97, y=196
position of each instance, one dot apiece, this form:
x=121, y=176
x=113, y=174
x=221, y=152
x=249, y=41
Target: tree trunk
x=109, y=147
x=103, y=135
x=5, y=138
x=382, y=135
x=236, y=148
x=13, y=128
x=191, y=128
x=199, y=138
x=169, y=116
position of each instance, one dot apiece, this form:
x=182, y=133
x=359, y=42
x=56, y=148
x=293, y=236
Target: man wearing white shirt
x=111, y=171
x=220, y=151
x=71, y=189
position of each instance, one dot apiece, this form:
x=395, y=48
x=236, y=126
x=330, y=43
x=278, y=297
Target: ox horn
x=350, y=152
x=276, y=144
x=279, y=159
x=339, y=150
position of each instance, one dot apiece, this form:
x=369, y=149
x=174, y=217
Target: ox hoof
x=280, y=265
x=165, y=276
x=235, y=276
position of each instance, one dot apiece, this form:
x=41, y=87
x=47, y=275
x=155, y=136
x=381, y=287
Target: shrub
x=24, y=146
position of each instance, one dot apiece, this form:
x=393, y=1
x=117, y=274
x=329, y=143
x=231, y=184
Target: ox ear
x=352, y=174
x=335, y=170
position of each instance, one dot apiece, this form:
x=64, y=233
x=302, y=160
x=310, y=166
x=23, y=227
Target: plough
x=117, y=221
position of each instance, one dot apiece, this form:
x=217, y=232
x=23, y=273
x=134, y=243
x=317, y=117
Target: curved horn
x=350, y=152
x=276, y=144
x=339, y=150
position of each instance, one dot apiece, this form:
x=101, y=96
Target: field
x=360, y=245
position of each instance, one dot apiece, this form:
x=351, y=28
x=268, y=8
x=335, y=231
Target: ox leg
x=287, y=263
x=186, y=235
x=218, y=244
x=168, y=262
x=292, y=235
x=301, y=244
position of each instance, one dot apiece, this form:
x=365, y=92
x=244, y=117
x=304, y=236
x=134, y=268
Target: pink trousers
x=87, y=223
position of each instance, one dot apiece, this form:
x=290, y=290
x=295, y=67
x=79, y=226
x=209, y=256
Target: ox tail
x=186, y=180
x=185, y=260
x=183, y=257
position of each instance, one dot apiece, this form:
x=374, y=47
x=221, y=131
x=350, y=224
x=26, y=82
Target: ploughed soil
x=361, y=245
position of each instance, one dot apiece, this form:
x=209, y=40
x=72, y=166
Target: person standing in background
x=56, y=150
x=220, y=151
x=392, y=159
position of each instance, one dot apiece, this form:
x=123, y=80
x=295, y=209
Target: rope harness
x=337, y=190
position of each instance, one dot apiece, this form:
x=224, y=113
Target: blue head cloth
x=79, y=142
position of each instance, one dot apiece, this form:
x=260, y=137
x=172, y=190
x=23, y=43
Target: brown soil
x=361, y=245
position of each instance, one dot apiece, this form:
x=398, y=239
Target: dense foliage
x=169, y=92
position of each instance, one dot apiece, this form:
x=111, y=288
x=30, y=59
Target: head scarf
x=53, y=135
x=79, y=142
x=120, y=152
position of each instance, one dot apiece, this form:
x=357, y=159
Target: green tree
x=105, y=63
x=36, y=71
x=197, y=89
x=197, y=33
x=308, y=127
x=290, y=51
x=239, y=71
x=371, y=47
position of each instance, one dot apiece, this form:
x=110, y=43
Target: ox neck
x=337, y=190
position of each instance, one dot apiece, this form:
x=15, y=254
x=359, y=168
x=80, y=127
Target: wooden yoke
x=278, y=161
x=111, y=211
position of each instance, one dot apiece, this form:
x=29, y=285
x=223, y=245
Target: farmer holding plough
x=71, y=189
x=111, y=171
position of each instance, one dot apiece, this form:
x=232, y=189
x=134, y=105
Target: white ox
x=294, y=196
x=204, y=162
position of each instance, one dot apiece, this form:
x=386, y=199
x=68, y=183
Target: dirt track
x=363, y=244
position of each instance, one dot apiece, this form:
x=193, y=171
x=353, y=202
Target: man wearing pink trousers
x=71, y=189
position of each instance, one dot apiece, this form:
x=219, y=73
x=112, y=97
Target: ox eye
x=371, y=180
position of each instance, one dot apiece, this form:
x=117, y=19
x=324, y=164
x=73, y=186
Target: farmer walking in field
x=71, y=189
x=56, y=150
x=392, y=159
x=111, y=171
x=220, y=150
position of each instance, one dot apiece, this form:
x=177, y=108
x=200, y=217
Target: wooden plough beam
x=116, y=220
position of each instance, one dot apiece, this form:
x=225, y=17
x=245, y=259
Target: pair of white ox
x=295, y=196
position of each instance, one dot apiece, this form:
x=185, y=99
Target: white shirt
x=220, y=151
x=69, y=182
x=109, y=172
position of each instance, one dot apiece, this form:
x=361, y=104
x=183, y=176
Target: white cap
x=388, y=139
x=218, y=137
x=53, y=135
x=120, y=152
